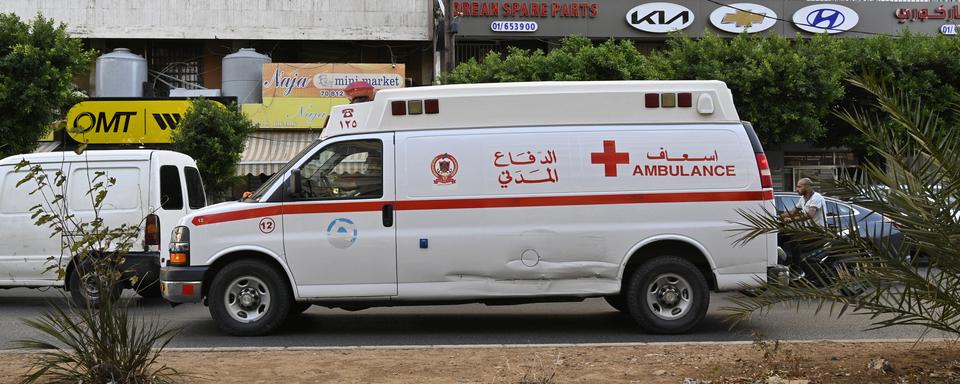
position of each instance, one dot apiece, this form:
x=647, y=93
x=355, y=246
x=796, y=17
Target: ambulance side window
x=344, y=170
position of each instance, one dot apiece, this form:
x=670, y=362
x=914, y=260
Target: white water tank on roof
x=120, y=73
x=243, y=74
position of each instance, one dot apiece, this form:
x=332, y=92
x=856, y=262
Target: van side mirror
x=295, y=180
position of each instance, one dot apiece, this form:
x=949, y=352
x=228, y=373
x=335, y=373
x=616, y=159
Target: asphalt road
x=590, y=321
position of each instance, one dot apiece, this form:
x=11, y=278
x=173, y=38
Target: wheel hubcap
x=669, y=296
x=90, y=285
x=247, y=299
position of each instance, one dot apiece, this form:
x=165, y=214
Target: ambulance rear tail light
x=151, y=231
x=668, y=100
x=414, y=107
x=766, y=178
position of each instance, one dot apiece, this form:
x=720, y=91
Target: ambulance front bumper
x=182, y=284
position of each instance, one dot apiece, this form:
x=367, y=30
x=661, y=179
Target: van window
x=786, y=203
x=349, y=169
x=195, y=197
x=124, y=195
x=14, y=200
x=171, y=194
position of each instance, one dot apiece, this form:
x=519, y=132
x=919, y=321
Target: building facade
x=492, y=26
x=184, y=43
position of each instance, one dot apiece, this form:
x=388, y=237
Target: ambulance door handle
x=388, y=215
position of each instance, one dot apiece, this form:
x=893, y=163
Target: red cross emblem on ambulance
x=610, y=158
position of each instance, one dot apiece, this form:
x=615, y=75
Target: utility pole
x=448, y=54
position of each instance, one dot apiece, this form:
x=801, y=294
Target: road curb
x=513, y=346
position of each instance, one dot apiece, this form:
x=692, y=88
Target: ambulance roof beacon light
x=359, y=91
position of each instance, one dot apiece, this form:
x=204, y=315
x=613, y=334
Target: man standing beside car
x=810, y=206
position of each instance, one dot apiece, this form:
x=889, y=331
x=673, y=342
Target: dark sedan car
x=844, y=215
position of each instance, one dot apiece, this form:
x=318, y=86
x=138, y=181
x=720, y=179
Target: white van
x=153, y=189
x=493, y=193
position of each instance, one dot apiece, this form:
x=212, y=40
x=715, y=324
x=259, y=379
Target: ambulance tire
x=249, y=298
x=667, y=295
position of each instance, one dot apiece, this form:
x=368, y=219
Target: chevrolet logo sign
x=743, y=19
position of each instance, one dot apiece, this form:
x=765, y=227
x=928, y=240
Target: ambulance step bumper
x=182, y=284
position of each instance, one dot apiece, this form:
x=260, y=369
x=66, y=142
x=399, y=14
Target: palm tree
x=912, y=181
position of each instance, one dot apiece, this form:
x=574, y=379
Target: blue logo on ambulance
x=341, y=233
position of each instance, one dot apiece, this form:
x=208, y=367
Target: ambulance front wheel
x=667, y=295
x=249, y=298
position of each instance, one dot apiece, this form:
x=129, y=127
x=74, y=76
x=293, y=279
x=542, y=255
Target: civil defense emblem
x=444, y=168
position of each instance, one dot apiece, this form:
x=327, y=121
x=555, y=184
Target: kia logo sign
x=659, y=17
x=743, y=18
x=829, y=18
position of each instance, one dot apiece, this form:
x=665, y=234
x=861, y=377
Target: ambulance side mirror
x=295, y=186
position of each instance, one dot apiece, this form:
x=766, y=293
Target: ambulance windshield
x=266, y=186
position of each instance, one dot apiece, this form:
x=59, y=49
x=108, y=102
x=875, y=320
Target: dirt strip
x=820, y=362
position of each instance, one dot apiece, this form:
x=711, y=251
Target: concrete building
x=186, y=39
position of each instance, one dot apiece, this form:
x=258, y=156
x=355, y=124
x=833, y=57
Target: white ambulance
x=493, y=193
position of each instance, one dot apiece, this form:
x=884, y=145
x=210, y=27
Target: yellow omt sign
x=125, y=121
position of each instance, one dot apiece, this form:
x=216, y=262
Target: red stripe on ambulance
x=501, y=202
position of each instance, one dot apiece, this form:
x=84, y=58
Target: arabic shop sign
x=922, y=14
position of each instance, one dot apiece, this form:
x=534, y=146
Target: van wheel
x=249, y=298
x=667, y=295
x=85, y=290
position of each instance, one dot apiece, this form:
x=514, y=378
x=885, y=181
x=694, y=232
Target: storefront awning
x=267, y=152
x=46, y=146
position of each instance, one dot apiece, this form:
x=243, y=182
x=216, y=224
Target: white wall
x=236, y=19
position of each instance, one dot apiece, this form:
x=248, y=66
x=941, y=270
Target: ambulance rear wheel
x=249, y=298
x=667, y=295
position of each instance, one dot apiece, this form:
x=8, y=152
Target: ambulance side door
x=339, y=236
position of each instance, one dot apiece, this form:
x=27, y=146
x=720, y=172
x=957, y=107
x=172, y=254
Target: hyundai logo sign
x=659, y=17
x=825, y=18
